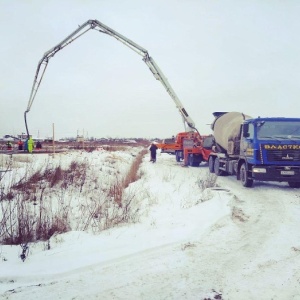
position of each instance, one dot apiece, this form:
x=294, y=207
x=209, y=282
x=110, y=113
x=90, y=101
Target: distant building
x=79, y=138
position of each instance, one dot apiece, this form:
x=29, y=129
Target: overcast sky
x=217, y=55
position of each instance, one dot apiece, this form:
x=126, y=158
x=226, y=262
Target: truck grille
x=283, y=155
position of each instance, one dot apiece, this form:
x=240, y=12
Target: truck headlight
x=259, y=170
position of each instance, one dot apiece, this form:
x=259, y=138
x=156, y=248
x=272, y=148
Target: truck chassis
x=222, y=165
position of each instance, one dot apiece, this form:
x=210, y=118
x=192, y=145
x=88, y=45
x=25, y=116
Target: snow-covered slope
x=189, y=242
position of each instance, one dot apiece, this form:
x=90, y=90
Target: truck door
x=247, y=142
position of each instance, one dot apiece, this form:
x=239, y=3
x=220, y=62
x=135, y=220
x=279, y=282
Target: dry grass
x=116, y=189
x=54, y=200
x=209, y=181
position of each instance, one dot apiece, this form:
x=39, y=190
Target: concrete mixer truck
x=256, y=149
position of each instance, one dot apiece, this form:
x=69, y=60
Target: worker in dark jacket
x=38, y=145
x=153, y=149
x=26, y=145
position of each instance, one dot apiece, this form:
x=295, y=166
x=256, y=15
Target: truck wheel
x=192, y=161
x=294, y=184
x=178, y=157
x=217, y=170
x=211, y=163
x=246, y=182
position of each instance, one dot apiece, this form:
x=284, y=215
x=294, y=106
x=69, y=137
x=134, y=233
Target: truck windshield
x=278, y=129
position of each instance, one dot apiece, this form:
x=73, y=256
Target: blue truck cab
x=270, y=150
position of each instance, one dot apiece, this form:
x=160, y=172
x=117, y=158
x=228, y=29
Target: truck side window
x=250, y=131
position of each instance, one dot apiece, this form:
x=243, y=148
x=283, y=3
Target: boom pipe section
x=95, y=24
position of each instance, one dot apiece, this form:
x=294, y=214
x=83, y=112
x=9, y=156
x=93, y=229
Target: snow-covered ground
x=189, y=242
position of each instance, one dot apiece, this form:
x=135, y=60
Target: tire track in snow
x=242, y=255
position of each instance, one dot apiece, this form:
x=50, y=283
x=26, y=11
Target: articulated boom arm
x=95, y=24
x=158, y=74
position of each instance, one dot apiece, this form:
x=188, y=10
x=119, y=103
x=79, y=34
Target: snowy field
x=186, y=241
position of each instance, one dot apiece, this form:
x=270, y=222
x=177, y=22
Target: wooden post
x=83, y=139
x=53, y=143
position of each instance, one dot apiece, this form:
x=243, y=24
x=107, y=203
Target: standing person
x=9, y=145
x=26, y=145
x=38, y=145
x=153, y=149
x=20, y=145
x=30, y=144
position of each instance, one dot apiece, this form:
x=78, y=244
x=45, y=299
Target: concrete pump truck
x=158, y=74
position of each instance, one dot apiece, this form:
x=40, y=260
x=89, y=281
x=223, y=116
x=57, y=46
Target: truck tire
x=246, y=182
x=217, y=170
x=294, y=184
x=192, y=161
x=178, y=156
x=211, y=162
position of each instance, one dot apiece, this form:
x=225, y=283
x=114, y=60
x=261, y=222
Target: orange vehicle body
x=176, y=145
x=189, y=147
